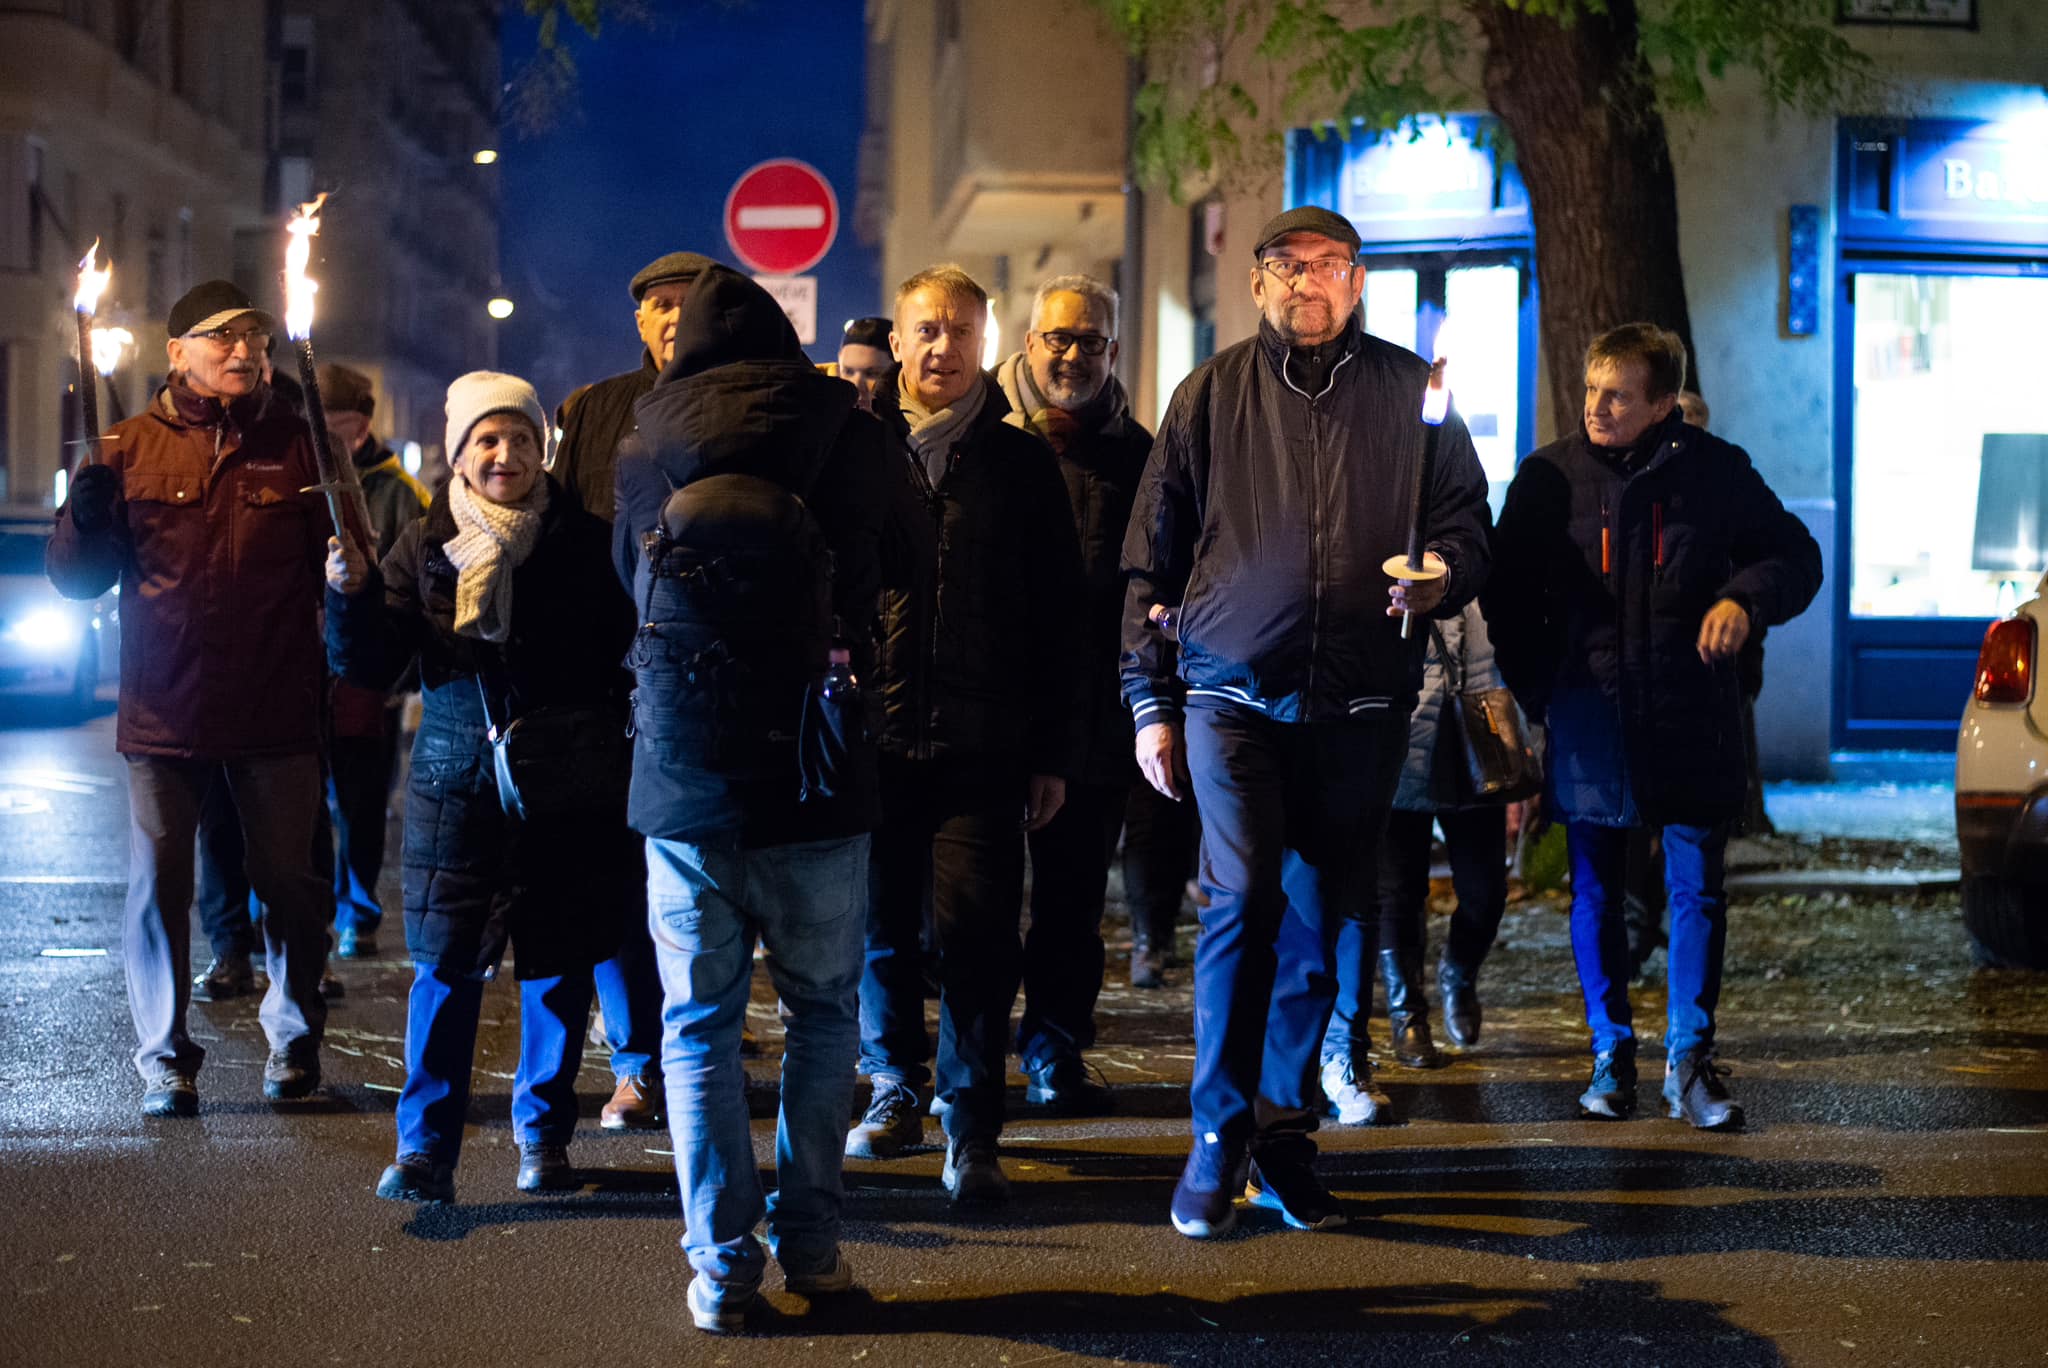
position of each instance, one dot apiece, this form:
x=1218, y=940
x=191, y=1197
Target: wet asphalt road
x=1889, y=1203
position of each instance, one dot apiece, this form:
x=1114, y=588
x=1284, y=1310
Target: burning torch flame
x=1436, y=400
x=298, y=286
x=91, y=282
x=107, y=346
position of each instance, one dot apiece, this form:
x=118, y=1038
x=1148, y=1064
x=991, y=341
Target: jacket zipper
x=1315, y=514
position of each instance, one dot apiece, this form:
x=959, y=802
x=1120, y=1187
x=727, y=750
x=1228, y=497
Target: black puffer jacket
x=981, y=654
x=1264, y=517
x=563, y=891
x=1641, y=730
x=740, y=398
x=597, y=421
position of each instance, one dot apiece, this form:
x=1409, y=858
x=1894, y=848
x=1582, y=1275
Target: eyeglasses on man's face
x=1334, y=270
x=225, y=339
x=1091, y=344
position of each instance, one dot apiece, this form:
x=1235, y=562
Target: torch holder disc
x=1397, y=567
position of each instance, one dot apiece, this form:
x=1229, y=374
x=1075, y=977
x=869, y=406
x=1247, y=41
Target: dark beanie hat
x=661, y=270
x=210, y=304
x=1309, y=218
x=346, y=390
x=867, y=332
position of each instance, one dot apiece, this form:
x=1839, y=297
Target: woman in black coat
x=503, y=589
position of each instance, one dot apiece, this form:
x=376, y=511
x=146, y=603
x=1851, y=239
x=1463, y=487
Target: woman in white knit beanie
x=503, y=589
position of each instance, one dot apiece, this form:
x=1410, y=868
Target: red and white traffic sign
x=781, y=217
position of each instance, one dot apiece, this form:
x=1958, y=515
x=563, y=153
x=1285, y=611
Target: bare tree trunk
x=1591, y=147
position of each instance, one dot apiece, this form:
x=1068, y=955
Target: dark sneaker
x=1290, y=1187
x=1693, y=1088
x=892, y=1124
x=417, y=1178
x=331, y=987
x=972, y=1173
x=289, y=1076
x=1352, y=1094
x=1611, y=1094
x=716, y=1311
x=1148, y=967
x=1458, y=990
x=349, y=943
x=838, y=1277
x=636, y=1105
x=171, y=1094
x=1203, y=1199
x=228, y=977
x=1065, y=1085
x=544, y=1167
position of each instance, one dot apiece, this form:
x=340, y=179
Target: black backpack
x=735, y=631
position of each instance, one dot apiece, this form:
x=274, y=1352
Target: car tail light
x=2006, y=661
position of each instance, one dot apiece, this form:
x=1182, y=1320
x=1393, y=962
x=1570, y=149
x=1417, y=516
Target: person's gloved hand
x=94, y=491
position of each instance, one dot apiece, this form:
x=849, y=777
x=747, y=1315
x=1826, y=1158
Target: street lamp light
x=499, y=307
x=484, y=156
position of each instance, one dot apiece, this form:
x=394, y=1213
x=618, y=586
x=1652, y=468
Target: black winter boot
x=1408, y=1009
x=1458, y=990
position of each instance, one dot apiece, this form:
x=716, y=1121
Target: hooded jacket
x=1263, y=519
x=740, y=397
x=981, y=638
x=1100, y=468
x=1605, y=648
x=218, y=551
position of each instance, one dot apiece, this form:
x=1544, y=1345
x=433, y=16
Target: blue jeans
x=705, y=907
x=1694, y=866
x=278, y=799
x=440, y=1050
x=629, y=996
x=1292, y=815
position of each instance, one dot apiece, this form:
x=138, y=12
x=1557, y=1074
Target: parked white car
x=2002, y=793
x=50, y=646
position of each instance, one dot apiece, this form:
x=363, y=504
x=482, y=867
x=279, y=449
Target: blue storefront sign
x=1942, y=276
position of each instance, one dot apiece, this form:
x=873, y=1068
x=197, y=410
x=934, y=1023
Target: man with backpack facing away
x=751, y=510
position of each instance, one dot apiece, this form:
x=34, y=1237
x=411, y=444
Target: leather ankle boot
x=1457, y=988
x=1408, y=1009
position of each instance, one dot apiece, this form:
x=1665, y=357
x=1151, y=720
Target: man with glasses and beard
x=1278, y=486
x=203, y=509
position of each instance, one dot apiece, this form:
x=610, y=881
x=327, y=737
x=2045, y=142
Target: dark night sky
x=668, y=117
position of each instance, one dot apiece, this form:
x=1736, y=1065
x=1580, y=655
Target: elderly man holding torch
x=199, y=508
x=1280, y=484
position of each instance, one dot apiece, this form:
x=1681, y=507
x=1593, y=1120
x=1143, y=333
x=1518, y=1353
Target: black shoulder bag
x=560, y=759
x=1501, y=766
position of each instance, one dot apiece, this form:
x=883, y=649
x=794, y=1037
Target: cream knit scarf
x=491, y=541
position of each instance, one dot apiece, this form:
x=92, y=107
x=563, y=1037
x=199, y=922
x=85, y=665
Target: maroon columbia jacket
x=219, y=557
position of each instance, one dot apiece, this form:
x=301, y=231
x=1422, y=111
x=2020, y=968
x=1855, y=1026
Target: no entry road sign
x=781, y=217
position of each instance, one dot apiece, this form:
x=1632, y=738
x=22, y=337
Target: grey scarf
x=933, y=434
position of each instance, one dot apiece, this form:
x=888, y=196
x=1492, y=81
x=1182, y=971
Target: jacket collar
x=180, y=406
x=1274, y=349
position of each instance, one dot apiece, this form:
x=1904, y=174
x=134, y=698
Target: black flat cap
x=346, y=389
x=1309, y=218
x=661, y=270
x=210, y=304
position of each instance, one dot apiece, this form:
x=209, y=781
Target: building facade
x=183, y=132
x=1861, y=289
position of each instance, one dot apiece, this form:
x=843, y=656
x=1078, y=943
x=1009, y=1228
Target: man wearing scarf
x=200, y=509
x=1061, y=387
x=978, y=676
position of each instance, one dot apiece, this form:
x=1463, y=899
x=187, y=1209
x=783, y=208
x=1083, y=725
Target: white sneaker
x=1353, y=1096
x=717, y=1313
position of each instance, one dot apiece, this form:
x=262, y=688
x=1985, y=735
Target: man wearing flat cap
x=199, y=508
x=594, y=421
x=1278, y=486
x=598, y=417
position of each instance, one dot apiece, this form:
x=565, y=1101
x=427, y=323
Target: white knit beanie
x=479, y=394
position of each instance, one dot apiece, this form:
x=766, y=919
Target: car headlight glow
x=46, y=629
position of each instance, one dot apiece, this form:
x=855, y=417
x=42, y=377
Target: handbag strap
x=1455, y=673
x=486, y=676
